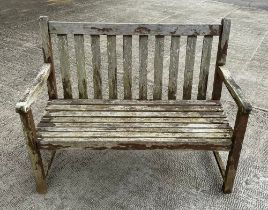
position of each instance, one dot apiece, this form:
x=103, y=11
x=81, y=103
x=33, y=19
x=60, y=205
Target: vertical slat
x=33, y=151
x=221, y=57
x=65, y=65
x=143, y=60
x=204, y=67
x=189, y=67
x=127, y=65
x=158, y=67
x=96, y=65
x=80, y=63
x=112, y=66
x=173, y=67
x=48, y=56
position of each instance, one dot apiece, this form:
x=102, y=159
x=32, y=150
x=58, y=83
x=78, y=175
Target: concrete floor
x=136, y=179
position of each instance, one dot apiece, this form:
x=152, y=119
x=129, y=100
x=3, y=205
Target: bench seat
x=130, y=124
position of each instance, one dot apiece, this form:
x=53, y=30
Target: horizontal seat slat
x=132, y=114
x=141, y=108
x=56, y=27
x=136, y=102
x=130, y=134
x=135, y=143
x=126, y=120
x=134, y=129
x=132, y=125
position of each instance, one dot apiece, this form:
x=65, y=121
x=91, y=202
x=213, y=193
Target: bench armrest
x=32, y=93
x=235, y=91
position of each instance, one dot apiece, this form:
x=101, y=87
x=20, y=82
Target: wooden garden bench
x=134, y=124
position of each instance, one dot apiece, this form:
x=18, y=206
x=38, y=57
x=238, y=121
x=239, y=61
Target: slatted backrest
x=159, y=31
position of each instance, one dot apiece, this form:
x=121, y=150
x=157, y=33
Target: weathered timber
x=234, y=90
x=127, y=65
x=96, y=65
x=189, y=67
x=204, y=68
x=65, y=66
x=32, y=93
x=48, y=56
x=158, y=67
x=143, y=60
x=219, y=163
x=137, y=102
x=112, y=66
x=131, y=124
x=80, y=63
x=56, y=27
x=234, y=154
x=173, y=67
x=221, y=57
x=34, y=153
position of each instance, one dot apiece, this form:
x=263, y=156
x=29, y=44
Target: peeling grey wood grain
x=111, y=125
x=143, y=61
x=80, y=63
x=142, y=108
x=80, y=119
x=137, y=102
x=96, y=65
x=132, y=29
x=32, y=93
x=224, y=41
x=173, y=67
x=65, y=66
x=204, y=68
x=34, y=153
x=221, y=57
x=158, y=67
x=235, y=90
x=189, y=67
x=112, y=66
x=127, y=65
x=48, y=56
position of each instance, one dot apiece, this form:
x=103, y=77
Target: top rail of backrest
x=57, y=27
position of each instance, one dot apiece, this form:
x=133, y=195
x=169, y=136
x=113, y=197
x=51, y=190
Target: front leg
x=33, y=151
x=234, y=154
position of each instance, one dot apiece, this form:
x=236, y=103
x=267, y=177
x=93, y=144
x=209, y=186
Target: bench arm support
x=31, y=94
x=235, y=91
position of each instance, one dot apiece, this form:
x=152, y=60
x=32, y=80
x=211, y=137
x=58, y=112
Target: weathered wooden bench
x=134, y=124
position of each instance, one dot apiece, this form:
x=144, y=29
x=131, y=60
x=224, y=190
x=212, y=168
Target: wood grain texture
x=189, y=67
x=234, y=154
x=80, y=63
x=224, y=41
x=33, y=151
x=204, y=68
x=173, y=67
x=112, y=66
x=48, y=56
x=158, y=67
x=143, y=61
x=221, y=57
x=56, y=27
x=235, y=91
x=146, y=124
x=65, y=66
x=32, y=93
x=127, y=65
x=96, y=65
x=220, y=163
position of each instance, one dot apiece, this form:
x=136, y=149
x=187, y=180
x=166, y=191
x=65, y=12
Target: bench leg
x=234, y=154
x=33, y=151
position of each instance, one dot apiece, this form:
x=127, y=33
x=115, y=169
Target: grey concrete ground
x=134, y=179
